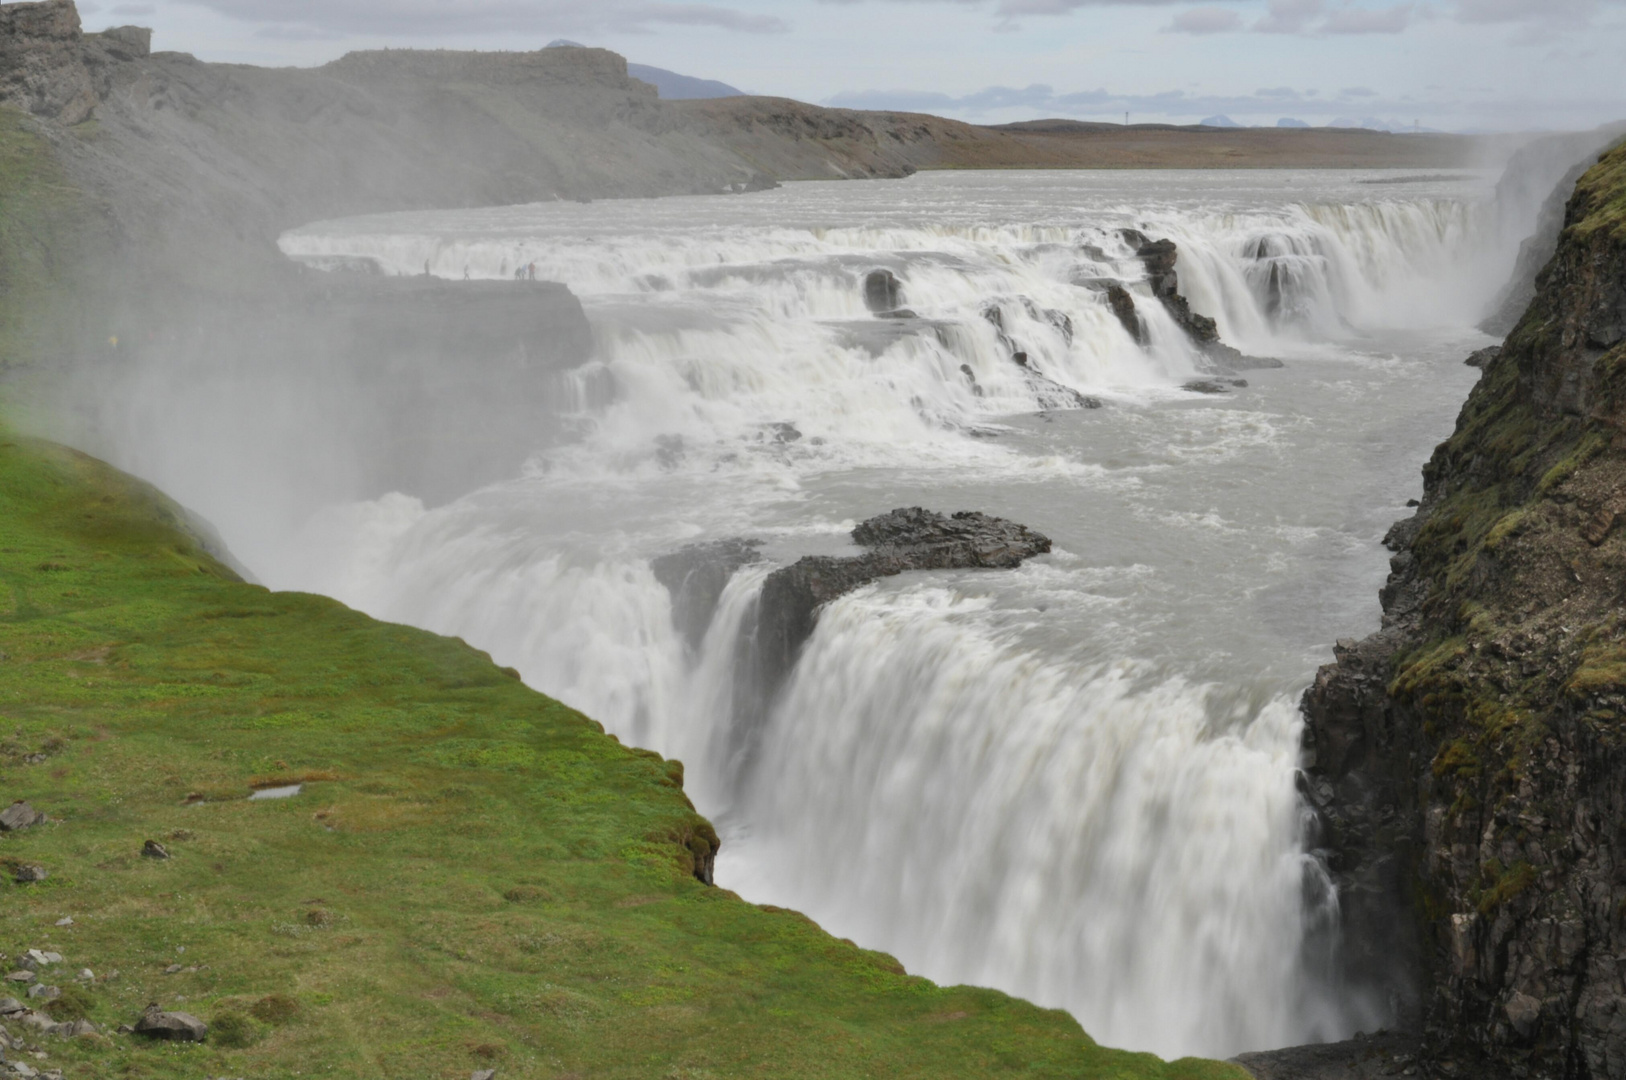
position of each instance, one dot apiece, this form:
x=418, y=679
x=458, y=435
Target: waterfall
x=1074, y=782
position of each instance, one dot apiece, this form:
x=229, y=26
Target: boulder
x=1484, y=358
x=22, y=977
x=19, y=815
x=36, y=1020
x=882, y=291
x=152, y=849
x=10, y=1006
x=1205, y=386
x=155, y=1023
x=28, y=873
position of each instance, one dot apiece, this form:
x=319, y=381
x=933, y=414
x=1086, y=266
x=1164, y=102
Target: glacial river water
x=1073, y=781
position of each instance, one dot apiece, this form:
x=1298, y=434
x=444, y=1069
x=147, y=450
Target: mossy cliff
x=1469, y=760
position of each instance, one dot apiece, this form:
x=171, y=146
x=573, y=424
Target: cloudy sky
x=1448, y=64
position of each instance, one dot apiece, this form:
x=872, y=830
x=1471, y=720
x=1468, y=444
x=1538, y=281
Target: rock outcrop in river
x=1468, y=761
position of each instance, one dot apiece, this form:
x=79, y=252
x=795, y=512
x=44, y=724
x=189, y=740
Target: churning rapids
x=1074, y=781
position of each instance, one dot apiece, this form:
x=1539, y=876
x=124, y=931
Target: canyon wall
x=1468, y=761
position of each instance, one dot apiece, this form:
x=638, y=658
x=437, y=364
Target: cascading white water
x=1074, y=781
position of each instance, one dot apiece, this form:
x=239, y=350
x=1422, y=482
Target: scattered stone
x=19, y=815
x=75, y=1029
x=25, y=1071
x=125, y=1029
x=155, y=1023
x=40, y=990
x=41, y=959
x=23, y=976
x=10, y=1005
x=483, y=1074
x=173, y=969
x=152, y=849
x=28, y=873
x=182, y=834
x=1205, y=386
x=37, y=1020
x=68, y=921
x=86, y=975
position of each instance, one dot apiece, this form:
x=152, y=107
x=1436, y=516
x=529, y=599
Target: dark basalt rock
x=696, y=577
x=1159, y=258
x=906, y=539
x=1123, y=307
x=1049, y=393
x=1465, y=763
x=882, y=291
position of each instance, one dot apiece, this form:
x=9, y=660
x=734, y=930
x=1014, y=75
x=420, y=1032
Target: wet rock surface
x=696, y=576
x=902, y=540
x=1466, y=762
x=1365, y=1057
x=883, y=293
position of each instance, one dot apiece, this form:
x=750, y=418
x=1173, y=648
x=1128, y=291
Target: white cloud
x=422, y=18
x=1205, y=20
x=1290, y=16
x=1543, y=12
x=1353, y=20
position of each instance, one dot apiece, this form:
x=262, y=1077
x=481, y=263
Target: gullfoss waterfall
x=1074, y=780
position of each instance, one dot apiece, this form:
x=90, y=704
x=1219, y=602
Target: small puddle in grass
x=287, y=792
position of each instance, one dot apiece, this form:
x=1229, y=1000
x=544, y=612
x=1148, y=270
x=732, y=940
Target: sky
x=1454, y=65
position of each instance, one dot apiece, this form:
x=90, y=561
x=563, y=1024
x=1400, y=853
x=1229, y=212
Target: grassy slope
x=474, y=876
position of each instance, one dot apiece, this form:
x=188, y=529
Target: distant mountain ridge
x=670, y=85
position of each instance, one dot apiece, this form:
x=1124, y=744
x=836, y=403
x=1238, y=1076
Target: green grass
x=474, y=876
x=1603, y=195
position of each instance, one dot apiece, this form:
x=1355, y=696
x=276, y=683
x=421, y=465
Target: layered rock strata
x=1468, y=761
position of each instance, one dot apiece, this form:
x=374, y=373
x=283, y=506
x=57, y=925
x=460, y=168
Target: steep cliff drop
x=1467, y=761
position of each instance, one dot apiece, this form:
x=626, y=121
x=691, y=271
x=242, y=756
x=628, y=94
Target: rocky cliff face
x=1468, y=761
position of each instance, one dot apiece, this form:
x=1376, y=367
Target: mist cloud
x=414, y=18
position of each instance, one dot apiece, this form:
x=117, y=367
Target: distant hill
x=670, y=85
x=1219, y=122
x=1289, y=122
x=675, y=87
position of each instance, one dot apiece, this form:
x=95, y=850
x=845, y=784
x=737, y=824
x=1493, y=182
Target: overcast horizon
x=1423, y=62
